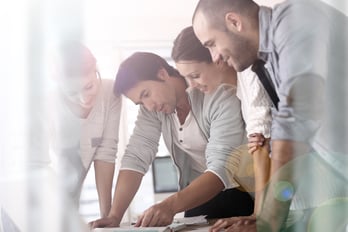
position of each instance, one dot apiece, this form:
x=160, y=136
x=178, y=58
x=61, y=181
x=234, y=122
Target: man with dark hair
x=200, y=131
x=305, y=60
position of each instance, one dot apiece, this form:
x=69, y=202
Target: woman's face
x=201, y=75
x=81, y=90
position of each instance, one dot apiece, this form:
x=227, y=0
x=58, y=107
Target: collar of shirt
x=265, y=45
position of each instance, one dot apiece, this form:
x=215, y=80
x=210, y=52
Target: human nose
x=215, y=55
x=149, y=105
x=84, y=98
x=192, y=83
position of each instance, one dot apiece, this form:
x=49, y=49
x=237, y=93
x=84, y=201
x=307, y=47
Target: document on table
x=132, y=229
x=177, y=225
x=197, y=220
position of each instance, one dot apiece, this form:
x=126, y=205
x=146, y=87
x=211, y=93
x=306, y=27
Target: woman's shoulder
x=107, y=85
x=106, y=98
x=223, y=98
x=107, y=89
x=223, y=91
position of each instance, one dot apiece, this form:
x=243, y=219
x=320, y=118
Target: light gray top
x=219, y=117
x=77, y=142
x=304, y=44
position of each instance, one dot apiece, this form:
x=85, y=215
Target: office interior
x=112, y=29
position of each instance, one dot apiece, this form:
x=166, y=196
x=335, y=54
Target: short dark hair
x=188, y=47
x=75, y=58
x=141, y=66
x=216, y=10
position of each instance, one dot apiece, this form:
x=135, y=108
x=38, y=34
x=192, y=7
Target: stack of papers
x=177, y=225
x=132, y=228
x=189, y=221
x=180, y=223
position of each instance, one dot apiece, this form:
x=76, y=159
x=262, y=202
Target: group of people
x=219, y=116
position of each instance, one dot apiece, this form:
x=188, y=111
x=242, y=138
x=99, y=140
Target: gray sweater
x=219, y=118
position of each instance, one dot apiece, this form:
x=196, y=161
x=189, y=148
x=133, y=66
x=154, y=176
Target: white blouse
x=255, y=103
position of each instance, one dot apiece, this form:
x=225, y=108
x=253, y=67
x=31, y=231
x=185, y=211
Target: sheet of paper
x=132, y=229
x=177, y=225
x=198, y=220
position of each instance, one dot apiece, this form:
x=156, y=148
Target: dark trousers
x=228, y=203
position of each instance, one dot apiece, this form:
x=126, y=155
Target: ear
x=233, y=21
x=162, y=74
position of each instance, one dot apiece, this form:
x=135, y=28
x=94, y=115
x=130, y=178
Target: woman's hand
x=255, y=141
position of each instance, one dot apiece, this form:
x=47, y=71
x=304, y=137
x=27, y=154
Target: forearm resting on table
x=196, y=193
x=128, y=183
x=104, y=174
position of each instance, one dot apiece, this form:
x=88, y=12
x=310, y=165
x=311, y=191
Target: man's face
x=232, y=47
x=156, y=96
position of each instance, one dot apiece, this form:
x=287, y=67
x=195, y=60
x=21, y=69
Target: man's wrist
x=172, y=203
x=115, y=218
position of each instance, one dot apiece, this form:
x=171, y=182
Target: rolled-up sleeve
x=107, y=149
x=143, y=144
x=302, y=52
x=227, y=133
x=256, y=105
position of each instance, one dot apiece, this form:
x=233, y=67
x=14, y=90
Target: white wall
x=120, y=20
x=138, y=20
